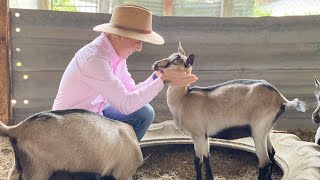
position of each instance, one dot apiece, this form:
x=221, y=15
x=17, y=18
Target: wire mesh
x=75, y=5
x=245, y=8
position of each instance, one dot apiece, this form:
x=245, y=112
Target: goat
x=72, y=141
x=316, y=112
x=230, y=110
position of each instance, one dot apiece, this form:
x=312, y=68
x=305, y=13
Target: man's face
x=128, y=46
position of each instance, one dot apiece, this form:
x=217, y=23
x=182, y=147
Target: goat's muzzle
x=157, y=67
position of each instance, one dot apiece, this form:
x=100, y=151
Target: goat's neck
x=175, y=93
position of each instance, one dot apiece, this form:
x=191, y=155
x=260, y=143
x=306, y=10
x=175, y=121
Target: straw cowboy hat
x=131, y=21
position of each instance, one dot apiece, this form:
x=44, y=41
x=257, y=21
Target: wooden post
x=5, y=68
x=167, y=7
x=43, y=4
x=226, y=8
x=104, y=6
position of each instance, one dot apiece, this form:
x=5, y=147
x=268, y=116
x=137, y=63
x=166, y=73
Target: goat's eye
x=176, y=62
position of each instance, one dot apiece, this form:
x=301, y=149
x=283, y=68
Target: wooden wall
x=282, y=50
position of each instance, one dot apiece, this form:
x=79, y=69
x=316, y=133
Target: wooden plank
x=58, y=18
x=210, y=34
x=290, y=83
x=43, y=57
x=5, y=96
x=244, y=30
x=40, y=57
x=290, y=119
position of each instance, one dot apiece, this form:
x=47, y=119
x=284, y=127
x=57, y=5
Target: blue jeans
x=140, y=120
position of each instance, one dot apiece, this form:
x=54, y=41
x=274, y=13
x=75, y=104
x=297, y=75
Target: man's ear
x=118, y=38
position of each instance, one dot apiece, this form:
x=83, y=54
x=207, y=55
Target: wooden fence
x=282, y=50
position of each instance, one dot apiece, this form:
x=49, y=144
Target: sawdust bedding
x=173, y=162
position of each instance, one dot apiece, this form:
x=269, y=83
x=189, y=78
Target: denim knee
x=146, y=114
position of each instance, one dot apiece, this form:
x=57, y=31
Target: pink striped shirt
x=97, y=76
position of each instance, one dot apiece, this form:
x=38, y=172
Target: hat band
x=129, y=28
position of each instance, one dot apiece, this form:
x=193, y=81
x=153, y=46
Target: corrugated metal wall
x=283, y=50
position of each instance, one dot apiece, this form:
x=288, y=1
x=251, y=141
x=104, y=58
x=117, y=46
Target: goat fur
x=251, y=106
x=73, y=141
x=316, y=112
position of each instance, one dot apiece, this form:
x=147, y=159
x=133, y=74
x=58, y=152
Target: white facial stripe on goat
x=317, y=94
x=176, y=56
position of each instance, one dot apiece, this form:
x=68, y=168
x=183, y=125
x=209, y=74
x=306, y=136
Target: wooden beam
x=43, y=4
x=226, y=8
x=5, y=68
x=167, y=7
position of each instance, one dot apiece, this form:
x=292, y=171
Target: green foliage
x=258, y=11
x=63, y=5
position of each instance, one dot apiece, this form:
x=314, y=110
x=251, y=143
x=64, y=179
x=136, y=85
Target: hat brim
x=153, y=37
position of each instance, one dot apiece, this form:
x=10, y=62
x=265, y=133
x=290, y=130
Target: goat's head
x=315, y=114
x=177, y=60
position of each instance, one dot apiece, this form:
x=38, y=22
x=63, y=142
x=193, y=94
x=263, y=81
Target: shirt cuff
x=154, y=76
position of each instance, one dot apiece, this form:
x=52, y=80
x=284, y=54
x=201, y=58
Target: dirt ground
x=176, y=161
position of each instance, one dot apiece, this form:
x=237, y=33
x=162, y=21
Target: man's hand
x=178, y=77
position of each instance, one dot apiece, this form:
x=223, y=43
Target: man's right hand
x=178, y=77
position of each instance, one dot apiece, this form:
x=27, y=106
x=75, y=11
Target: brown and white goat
x=72, y=141
x=316, y=112
x=230, y=110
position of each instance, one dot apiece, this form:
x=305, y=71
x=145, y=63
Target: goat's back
x=235, y=103
x=79, y=141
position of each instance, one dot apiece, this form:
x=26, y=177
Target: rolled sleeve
x=97, y=74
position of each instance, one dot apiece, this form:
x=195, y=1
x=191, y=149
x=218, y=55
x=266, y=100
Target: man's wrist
x=154, y=76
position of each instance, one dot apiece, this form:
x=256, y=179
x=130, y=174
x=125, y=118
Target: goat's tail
x=4, y=130
x=296, y=104
x=144, y=161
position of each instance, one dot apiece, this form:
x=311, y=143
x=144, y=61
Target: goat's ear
x=316, y=82
x=189, y=61
x=180, y=49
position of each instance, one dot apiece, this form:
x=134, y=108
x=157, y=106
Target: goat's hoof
x=265, y=172
x=209, y=178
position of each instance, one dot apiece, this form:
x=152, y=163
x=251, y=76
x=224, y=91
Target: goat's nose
x=155, y=66
x=316, y=118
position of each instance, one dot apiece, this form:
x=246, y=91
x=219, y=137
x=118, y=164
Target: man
x=97, y=78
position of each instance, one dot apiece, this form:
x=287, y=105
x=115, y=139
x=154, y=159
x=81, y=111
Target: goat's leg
x=206, y=161
x=260, y=141
x=15, y=173
x=197, y=165
x=201, y=146
x=271, y=151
